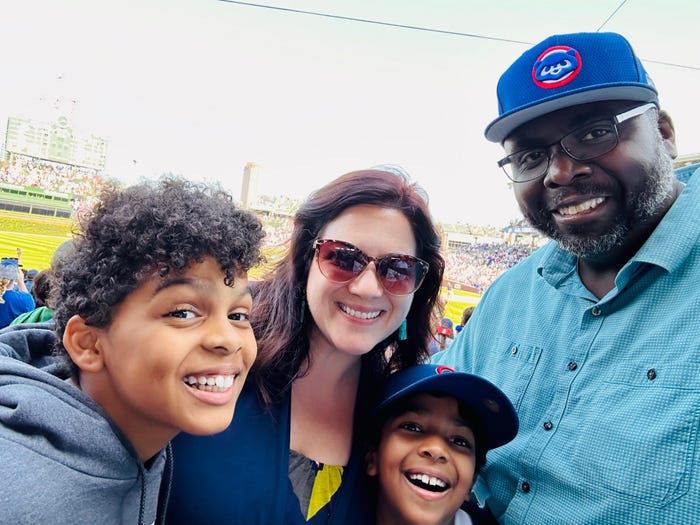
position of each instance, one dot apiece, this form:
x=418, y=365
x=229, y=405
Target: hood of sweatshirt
x=55, y=437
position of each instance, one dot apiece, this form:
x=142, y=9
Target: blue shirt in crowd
x=15, y=303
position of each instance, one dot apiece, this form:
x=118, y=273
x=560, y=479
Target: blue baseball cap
x=495, y=411
x=567, y=70
x=9, y=268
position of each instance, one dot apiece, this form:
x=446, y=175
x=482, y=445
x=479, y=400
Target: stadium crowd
x=478, y=264
x=52, y=176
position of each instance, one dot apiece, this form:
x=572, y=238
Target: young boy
x=152, y=318
x=430, y=435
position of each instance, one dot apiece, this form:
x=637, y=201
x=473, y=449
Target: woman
x=351, y=300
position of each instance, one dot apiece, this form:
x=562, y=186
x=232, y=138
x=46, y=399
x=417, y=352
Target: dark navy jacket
x=240, y=476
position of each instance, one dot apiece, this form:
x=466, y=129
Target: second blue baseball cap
x=495, y=411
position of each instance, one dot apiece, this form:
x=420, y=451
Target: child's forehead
x=425, y=403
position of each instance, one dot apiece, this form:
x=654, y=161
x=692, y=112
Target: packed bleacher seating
x=277, y=229
x=278, y=204
x=478, y=264
x=29, y=171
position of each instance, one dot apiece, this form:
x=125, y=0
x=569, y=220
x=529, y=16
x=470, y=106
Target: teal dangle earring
x=303, y=310
x=402, y=331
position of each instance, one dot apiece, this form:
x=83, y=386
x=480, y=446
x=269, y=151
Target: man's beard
x=647, y=202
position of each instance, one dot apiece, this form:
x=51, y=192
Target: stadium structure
x=47, y=168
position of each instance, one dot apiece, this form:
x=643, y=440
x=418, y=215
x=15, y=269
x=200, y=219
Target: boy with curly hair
x=152, y=318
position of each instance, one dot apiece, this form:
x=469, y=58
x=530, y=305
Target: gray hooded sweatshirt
x=61, y=458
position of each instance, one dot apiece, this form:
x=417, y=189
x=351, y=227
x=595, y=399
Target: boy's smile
x=425, y=462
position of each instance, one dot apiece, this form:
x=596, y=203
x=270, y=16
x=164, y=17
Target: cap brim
x=499, y=129
x=497, y=415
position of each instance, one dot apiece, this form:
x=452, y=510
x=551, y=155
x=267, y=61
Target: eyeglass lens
x=342, y=262
x=586, y=143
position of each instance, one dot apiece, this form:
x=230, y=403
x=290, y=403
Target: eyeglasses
x=341, y=262
x=585, y=143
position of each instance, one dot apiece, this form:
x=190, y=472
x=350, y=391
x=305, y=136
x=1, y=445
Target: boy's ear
x=371, y=463
x=81, y=342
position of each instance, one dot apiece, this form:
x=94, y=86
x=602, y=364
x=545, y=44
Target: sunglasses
x=341, y=262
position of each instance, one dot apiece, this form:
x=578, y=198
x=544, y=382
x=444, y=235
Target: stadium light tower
x=250, y=186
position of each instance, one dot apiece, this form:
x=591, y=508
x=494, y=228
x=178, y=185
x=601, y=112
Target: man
x=596, y=336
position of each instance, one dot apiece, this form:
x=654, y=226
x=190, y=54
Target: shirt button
x=595, y=311
x=514, y=350
x=572, y=366
x=525, y=486
x=651, y=374
x=547, y=425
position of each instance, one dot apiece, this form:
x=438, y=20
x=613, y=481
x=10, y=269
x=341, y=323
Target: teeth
x=210, y=384
x=428, y=480
x=360, y=315
x=578, y=208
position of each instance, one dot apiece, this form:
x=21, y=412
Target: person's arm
x=21, y=286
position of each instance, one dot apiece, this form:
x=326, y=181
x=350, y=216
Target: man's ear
x=668, y=133
x=371, y=463
x=81, y=342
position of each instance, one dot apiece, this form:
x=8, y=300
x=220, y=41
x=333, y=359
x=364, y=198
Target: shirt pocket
x=642, y=433
x=514, y=368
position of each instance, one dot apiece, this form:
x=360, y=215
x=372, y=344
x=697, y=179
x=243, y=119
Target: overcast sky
x=201, y=87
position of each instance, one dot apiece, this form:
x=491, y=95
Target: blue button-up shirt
x=607, y=391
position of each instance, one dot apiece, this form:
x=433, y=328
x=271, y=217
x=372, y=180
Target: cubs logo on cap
x=556, y=67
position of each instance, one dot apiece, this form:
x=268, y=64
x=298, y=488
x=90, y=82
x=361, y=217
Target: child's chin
x=213, y=425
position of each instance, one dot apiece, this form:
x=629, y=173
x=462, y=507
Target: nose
x=367, y=284
x=562, y=168
x=221, y=336
x=433, y=447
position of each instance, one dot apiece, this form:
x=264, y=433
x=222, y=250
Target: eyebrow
x=198, y=284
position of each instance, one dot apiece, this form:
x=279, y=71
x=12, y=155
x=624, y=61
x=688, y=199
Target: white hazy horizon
x=202, y=87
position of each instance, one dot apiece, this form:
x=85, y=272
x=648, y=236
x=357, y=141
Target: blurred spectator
x=466, y=314
x=12, y=302
x=444, y=333
x=40, y=292
x=29, y=279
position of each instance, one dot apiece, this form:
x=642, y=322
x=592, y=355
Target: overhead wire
x=427, y=29
x=611, y=15
x=376, y=22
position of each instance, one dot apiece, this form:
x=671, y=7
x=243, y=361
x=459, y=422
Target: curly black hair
x=149, y=229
